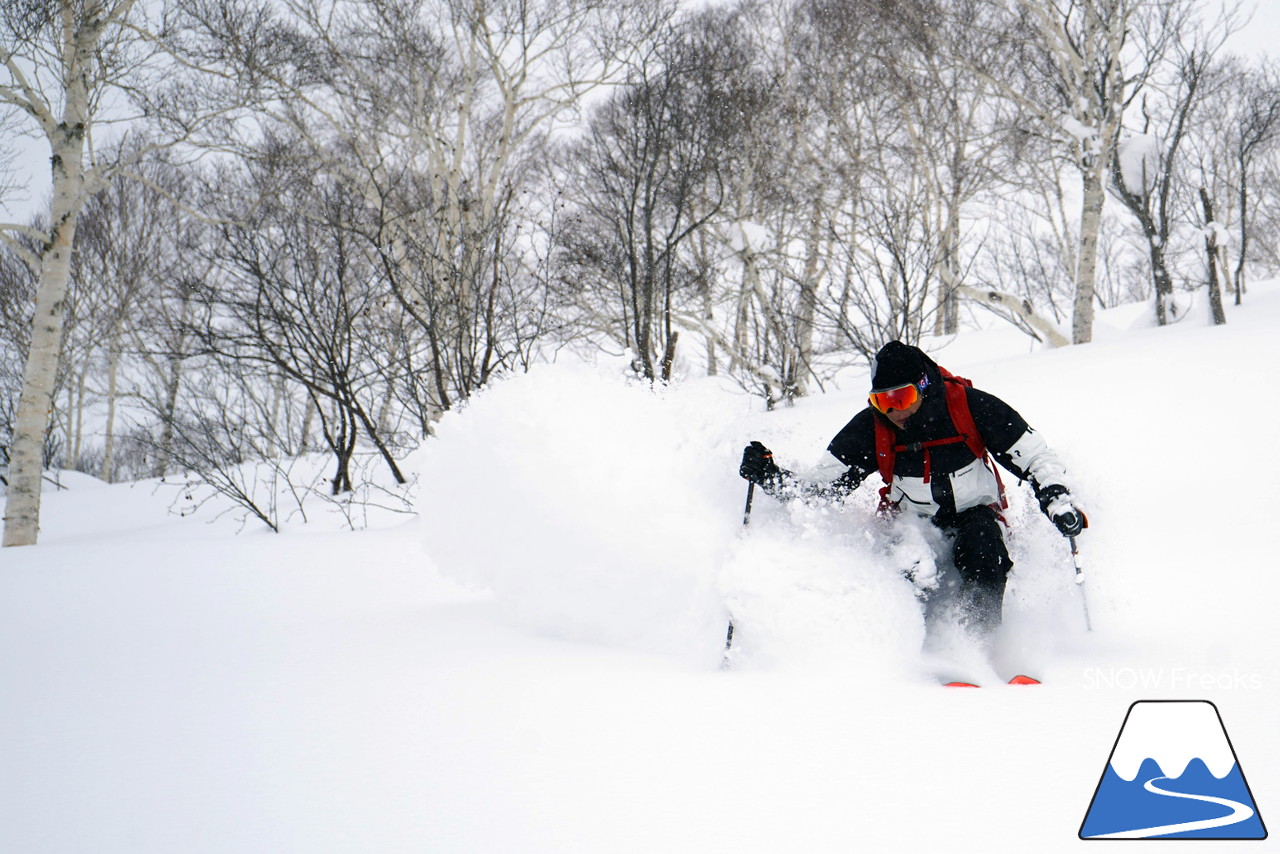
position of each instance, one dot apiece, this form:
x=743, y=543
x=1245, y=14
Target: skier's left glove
x=1057, y=504
x=758, y=465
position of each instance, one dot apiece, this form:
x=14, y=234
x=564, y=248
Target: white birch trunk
x=173, y=371
x=67, y=136
x=1087, y=259
x=22, y=507
x=76, y=400
x=113, y=384
x=808, y=301
x=173, y=383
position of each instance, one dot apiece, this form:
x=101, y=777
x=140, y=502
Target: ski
x=1020, y=679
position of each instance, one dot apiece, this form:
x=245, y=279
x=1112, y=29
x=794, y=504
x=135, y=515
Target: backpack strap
x=961, y=417
x=886, y=454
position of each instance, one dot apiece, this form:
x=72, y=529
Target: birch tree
x=123, y=244
x=1146, y=179
x=1074, y=65
x=772, y=222
x=953, y=123
x=297, y=298
x=1238, y=137
x=17, y=294
x=72, y=71
x=1095, y=57
x=60, y=61
x=1151, y=169
x=1258, y=133
x=434, y=113
x=646, y=178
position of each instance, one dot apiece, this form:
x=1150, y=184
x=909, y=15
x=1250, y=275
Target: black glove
x=1056, y=502
x=758, y=465
x=1070, y=522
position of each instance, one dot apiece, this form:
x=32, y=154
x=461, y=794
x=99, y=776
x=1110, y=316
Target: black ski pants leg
x=982, y=561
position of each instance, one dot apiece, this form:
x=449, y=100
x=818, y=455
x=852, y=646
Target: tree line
x=279, y=227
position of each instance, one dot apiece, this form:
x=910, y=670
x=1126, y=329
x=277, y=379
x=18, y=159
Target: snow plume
x=582, y=500
x=599, y=510
x=612, y=514
x=823, y=587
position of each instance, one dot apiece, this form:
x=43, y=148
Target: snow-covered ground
x=533, y=664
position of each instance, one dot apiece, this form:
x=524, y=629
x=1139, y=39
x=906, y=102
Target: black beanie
x=898, y=364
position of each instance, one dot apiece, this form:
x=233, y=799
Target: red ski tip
x=1023, y=680
x=960, y=685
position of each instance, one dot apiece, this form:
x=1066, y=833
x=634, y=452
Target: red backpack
x=958, y=408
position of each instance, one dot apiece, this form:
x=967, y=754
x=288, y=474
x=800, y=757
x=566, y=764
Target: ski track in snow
x=1239, y=812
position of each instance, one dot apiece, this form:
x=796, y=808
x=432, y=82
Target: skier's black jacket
x=957, y=479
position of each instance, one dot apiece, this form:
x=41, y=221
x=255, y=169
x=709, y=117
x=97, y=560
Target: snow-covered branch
x=1020, y=308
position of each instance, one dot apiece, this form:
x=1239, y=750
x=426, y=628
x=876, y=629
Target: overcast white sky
x=1262, y=35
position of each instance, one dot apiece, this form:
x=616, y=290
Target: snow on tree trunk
x=1211, y=230
x=1139, y=162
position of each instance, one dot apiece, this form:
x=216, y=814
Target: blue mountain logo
x=1173, y=774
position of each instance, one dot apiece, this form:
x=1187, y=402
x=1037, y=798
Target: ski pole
x=746, y=520
x=1084, y=600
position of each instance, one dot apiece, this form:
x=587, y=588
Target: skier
x=914, y=432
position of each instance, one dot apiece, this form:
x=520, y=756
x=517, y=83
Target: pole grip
x=746, y=512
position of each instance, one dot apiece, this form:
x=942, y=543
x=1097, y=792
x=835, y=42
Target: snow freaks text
x=1170, y=678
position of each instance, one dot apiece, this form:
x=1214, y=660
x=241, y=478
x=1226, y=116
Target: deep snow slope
x=533, y=665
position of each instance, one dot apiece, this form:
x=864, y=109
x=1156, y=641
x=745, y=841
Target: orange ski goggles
x=899, y=397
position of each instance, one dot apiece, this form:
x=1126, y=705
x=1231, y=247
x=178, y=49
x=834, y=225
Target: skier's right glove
x=758, y=465
x=1057, y=504
x=1070, y=522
